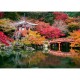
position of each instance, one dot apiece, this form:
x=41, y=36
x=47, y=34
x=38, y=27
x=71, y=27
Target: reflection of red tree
x=4, y=39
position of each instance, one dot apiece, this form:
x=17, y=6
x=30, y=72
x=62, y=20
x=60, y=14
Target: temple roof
x=24, y=22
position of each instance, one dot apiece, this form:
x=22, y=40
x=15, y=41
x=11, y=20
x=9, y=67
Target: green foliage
x=11, y=15
x=49, y=17
x=35, y=15
x=73, y=14
x=44, y=16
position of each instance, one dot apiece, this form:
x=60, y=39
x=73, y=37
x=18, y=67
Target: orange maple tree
x=76, y=36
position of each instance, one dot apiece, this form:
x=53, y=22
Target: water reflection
x=18, y=59
x=75, y=50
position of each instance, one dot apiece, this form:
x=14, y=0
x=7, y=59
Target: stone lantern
x=45, y=47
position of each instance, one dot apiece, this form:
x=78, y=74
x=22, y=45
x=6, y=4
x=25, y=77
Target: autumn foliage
x=5, y=25
x=60, y=16
x=72, y=23
x=48, y=31
x=76, y=36
x=33, y=38
x=4, y=39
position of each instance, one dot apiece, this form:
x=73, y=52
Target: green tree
x=11, y=15
x=73, y=14
x=45, y=16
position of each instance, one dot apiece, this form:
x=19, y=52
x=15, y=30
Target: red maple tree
x=48, y=31
x=5, y=39
x=60, y=15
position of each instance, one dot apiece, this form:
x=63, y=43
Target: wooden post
x=59, y=45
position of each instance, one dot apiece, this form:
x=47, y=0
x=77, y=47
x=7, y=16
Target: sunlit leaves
x=76, y=36
x=5, y=25
x=33, y=38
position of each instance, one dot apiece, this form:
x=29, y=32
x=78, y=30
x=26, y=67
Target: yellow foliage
x=33, y=38
x=70, y=19
x=25, y=41
x=72, y=24
x=5, y=25
x=76, y=36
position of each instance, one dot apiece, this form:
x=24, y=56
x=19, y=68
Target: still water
x=38, y=59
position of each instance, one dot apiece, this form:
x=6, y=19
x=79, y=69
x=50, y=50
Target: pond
x=38, y=60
